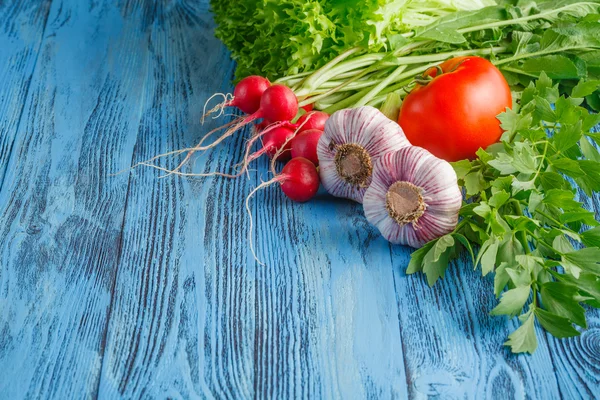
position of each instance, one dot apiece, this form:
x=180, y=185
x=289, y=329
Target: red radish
x=246, y=96
x=308, y=107
x=305, y=145
x=261, y=126
x=312, y=120
x=276, y=139
x=278, y=104
x=299, y=181
x=248, y=92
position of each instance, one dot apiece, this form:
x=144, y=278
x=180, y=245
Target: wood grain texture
x=156, y=342
x=22, y=25
x=60, y=213
x=135, y=286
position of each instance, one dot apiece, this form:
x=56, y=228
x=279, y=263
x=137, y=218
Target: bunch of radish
x=285, y=134
x=282, y=139
x=359, y=154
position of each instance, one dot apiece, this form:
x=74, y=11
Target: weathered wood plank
x=159, y=340
x=134, y=286
x=60, y=213
x=453, y=347
x=332, y=275
x=22, y=25
x=317, y=321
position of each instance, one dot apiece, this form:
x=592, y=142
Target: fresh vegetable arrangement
x=523, y=219
x=277, y=38
x=521, y=38
x=482, y=135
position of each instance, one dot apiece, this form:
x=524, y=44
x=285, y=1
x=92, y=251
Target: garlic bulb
x=352, y=142
x=413, y=198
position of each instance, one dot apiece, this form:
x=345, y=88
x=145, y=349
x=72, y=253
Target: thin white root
x=190, y=151
x=189, y=174
x=256, y=189
x=199, y=147
x=282, y=148
x=227, y=98
x=248, y=158
x=146, y=162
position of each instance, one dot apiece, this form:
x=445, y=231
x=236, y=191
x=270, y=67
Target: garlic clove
x=414, y=197
x=353, y=140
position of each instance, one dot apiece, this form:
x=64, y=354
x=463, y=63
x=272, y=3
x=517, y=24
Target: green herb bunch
x=274, y=38
x=522, y=38
x=523, y=215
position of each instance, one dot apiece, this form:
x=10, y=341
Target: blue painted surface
x=132, y=286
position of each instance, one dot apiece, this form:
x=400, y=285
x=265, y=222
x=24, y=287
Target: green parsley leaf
x=519, y=276
x=591, y=237
x=559, y=298
x=498, y=199
x=561, y=198
x=587, y=259
x=462, y=168
x=585, y=88
x=523, y=159
x=535, y=199
x=436, y=260
x=442, y=246
x=580, y=216
x=473, y=182
x=511, y=121
x=558, y=326
x=487, y=255
x=586, y=283
x=589, y=151
x=552, y=180
x=467, y=245
x=523, y=340
x=417, y=257
x=503, y=163
x=501, y=279
x=568, y=136
x=512, y=302
x=568, y=167
x=543, y=110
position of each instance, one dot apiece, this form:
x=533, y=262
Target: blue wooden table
x=132, y=286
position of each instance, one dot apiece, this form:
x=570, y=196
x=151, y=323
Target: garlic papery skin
x=353, y=140
x=413, y=198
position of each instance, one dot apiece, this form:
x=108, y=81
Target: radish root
x=276, y=179
x=199, y=146
x=227, y=99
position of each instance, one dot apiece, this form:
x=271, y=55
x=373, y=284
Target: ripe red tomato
x=454, y=114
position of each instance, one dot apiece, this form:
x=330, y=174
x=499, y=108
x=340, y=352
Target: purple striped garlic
x=352, y=142
x=414, y=197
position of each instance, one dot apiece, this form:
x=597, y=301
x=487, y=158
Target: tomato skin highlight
x=454, y=114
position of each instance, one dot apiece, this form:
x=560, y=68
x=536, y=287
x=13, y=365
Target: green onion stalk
x=517, y=40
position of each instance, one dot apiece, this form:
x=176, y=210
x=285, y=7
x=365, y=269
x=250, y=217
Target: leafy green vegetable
x=523, y=340
x=522, y=38
x=274, y=38
x=523, y=214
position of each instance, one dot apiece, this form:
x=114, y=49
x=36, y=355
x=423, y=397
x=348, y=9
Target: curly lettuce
x=274, y=38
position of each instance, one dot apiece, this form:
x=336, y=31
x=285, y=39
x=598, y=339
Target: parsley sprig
x=523, y=220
